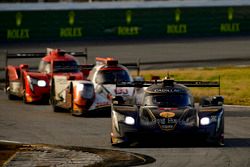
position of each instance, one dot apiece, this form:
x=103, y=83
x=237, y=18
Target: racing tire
x=124, y=144
x=11, y=96
x=117, y=144
x=219, y=141
x=73, y=113
x=72, y=100
x=24, y=98
x=7, y=82
x=52, y=100
x=56, y=108
x=52, y=93
x=78, y=114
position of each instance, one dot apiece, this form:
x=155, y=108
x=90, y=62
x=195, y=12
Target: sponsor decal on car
x=167, y=114
x=209, y=110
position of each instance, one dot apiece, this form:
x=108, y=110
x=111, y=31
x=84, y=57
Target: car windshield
x=168, y=100
x=88, y=91
x=65, y=66
x=112, y=76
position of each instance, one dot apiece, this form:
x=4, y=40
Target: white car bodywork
x=109, y=90
x=62, y=88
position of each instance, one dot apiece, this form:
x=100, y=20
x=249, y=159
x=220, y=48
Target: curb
x=15, y=154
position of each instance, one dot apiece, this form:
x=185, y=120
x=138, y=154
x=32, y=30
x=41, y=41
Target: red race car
x=34, y=86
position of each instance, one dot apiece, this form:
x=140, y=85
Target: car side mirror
x=212, y=101
x=217, y=101
x=24, y=66
x=205, y=102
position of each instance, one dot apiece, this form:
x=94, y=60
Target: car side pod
x=211, y=114
x=116, y=141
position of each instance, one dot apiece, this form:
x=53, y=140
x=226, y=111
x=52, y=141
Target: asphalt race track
x=39, y=124
x=197, y=52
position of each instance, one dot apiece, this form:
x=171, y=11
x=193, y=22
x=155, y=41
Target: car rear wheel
x=52, y=92
x=24, y=97
x=73, y=112
x=11, y=97
x=116, y=142
x=56, y=108
x=72, y=100
x=77, y=114
x=220, y=141
x=52, y=100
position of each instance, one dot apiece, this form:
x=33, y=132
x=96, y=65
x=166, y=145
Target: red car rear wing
x=40, y=55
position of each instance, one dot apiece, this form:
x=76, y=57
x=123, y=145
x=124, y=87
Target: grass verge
x=235, y=81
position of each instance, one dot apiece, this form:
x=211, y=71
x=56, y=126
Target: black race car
x=166, y=109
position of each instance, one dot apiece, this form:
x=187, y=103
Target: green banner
x=124, y=23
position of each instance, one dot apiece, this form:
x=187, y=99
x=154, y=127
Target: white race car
x=106, y=74
x=94, y=95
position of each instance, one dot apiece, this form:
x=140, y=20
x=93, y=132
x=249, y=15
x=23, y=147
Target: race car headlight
x=41, y=83
x=79, y=87
x=205, y=121
x=34, y=81
x=129, y=120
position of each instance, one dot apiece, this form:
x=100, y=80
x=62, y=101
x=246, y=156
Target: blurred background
x=66, y=0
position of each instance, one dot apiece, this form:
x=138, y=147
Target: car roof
x=114, y=68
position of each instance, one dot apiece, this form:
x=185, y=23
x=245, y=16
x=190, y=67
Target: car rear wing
x=40, y=55
x=85, y=69
x=169, y=82
x=201, y=84
x=83, y=54
x=133, y=66
x=114, y=62
x=138, y=84
x=22, y=55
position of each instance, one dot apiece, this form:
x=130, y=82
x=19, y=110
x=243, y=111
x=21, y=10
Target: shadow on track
x=187, y=143
x=89, y=114
x=237, y=142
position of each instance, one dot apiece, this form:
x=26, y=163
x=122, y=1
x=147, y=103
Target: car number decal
x=167, y=123
x=121, y=91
